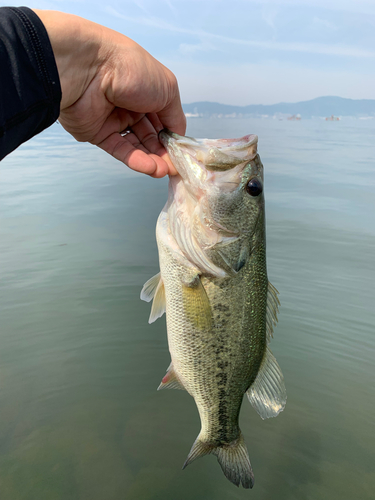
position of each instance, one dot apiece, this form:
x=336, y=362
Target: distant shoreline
x=275, y=117
x=321, y=107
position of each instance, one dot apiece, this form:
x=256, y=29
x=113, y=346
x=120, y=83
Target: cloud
x=141, y=6
x=323, y=23
x=172, y=8
x=269, y=15
x=189, y=48
x=357, y=6
x=272, y=45
x=151, y=21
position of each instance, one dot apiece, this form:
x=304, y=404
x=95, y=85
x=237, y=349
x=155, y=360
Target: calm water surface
x=80, y=417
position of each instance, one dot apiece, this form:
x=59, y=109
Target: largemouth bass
x=213, y=286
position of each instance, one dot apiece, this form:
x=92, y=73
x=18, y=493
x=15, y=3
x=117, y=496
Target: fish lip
x=237, y=150
x=178, y=146
x=165, y=136
x=198, y=161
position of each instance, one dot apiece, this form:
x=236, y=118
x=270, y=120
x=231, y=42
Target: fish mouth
x=202, y=155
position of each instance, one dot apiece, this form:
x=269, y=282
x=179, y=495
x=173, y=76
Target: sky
x=248, y=51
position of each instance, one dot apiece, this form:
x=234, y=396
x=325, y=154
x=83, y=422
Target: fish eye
x=254, y=187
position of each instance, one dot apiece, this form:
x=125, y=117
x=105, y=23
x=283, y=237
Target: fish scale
x=213, y=286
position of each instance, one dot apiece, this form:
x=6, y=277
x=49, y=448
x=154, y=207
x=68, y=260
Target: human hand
x=110, y=85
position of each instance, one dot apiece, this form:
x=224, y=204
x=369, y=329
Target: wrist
x=77, y=47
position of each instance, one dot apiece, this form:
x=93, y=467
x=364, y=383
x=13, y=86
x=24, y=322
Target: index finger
x=173, y=116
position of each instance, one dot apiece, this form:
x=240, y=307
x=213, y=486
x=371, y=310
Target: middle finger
x=148, y=136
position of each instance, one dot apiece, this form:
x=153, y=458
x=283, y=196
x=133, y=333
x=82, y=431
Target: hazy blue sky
x=248, y=51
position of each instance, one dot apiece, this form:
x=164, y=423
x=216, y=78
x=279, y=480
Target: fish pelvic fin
x=232, y=457
x=153, y=290
x=149, y=288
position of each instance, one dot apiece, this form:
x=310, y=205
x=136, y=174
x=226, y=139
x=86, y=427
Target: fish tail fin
x=199, y=449
x=232, y=457
x=235, y=463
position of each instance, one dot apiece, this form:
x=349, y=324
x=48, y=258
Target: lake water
x=80, y=417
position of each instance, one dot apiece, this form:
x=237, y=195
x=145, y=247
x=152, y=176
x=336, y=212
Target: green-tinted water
x=80, y=417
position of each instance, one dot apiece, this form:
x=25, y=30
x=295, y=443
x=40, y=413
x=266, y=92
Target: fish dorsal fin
x=154, y=289
x=268, y=394
x=272, y=310
x=170, y=380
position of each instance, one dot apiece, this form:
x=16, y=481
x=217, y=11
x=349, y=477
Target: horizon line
x=277, y=103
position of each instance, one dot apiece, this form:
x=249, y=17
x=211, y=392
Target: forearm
x=30, y=92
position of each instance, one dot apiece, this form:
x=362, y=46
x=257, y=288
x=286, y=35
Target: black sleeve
x=30, y=91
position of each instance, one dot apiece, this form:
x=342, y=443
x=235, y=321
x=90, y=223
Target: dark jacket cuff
x=30, y=91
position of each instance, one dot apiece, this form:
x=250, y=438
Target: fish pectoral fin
x=170, y=380
x=268, y=394
x=196, y=305
x=272, y=310
x=158, y=304
x=149, y=288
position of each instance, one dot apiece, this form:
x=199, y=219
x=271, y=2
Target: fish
x=220, y=308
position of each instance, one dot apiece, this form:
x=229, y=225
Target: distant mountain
x=321, y=106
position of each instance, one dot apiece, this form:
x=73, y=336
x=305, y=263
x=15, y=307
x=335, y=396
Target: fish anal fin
x=159, y=303
x=196, y=305
x=268, y=394
x=170, y=380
